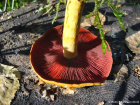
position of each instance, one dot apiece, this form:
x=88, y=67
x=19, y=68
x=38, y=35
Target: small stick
x=47, y=11
x=5, y=7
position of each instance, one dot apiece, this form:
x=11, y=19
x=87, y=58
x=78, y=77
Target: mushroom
x=70, y=56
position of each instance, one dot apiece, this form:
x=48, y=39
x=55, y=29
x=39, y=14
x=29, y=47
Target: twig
x=47, y=11
x=5, y=7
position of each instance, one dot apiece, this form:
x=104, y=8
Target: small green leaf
x=48, y=1
x=17, y=5
x=0, y=4
x=97, y=22
x=118, y=13
x=8, y=3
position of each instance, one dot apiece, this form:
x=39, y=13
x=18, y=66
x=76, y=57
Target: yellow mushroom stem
x=73, y=14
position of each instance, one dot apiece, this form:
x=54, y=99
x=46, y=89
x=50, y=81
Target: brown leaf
x=132, y=40
x=89, y=21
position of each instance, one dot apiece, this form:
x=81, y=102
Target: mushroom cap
x=90, y=67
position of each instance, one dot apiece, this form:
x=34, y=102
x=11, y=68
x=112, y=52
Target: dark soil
x=24, y=26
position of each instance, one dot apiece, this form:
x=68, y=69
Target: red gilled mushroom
x=71, y=56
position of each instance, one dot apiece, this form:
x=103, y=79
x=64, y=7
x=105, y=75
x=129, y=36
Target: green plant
x=97, y=22
x=133, y=2
x=13, y=4
x=116, y=10
x=57, y=9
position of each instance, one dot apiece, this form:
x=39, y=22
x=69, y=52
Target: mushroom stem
x=74, y=10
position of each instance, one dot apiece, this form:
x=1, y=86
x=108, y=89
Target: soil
x=21, y=27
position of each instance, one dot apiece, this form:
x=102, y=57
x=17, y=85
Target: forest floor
x=21, y=27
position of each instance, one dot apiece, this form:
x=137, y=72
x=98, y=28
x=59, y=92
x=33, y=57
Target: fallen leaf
x=120, y=72
x=101, y=103
x=41, y=82
x=68, y=91
x=132, y=40
x=138, y=18
x=89, y=21
x=9, y=83
x=52, y=97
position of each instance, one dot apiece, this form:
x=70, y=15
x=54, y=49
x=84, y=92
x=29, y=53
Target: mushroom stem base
x=74, y=10
x=69, y=55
